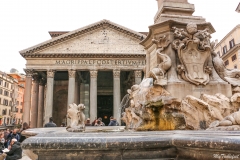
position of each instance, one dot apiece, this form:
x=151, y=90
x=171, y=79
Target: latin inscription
x=101, y=62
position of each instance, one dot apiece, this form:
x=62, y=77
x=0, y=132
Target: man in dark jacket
x=50, y=123
x=113, y=122
x=15, y=151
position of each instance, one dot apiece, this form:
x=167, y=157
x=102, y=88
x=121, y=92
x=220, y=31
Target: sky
x=25, y=23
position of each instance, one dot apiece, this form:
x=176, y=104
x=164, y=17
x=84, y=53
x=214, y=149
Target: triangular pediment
x=103, y=37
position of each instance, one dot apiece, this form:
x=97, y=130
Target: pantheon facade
x=93, y=65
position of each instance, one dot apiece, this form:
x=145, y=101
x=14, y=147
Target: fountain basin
x=57, y=143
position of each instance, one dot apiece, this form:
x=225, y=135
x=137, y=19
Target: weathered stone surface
x=152, y=108
x=199, y=113
x=230, y=122
x=232, y=76
x=194, y=145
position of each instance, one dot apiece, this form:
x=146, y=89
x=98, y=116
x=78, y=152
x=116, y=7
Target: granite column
x=93, y=94
x=71, y=89
x=34, y=107
x=138, y=77
x=49, y=95
x=41, y=103
x=27, y=96
x=116, y=95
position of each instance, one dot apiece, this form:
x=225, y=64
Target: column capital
x=93, y=73
x=29, y=72
x=42, y=82
x=116, y=73
x=71, y=73
x=138, y=74
x=50, y=73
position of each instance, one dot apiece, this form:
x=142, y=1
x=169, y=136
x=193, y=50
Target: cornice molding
x=77, y=55
x=81, y=31
x=230, y=52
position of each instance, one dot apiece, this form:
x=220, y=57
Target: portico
x=101, y=60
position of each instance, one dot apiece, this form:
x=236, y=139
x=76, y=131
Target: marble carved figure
x=232, y=76
x=194, y=49
x=159, y=72
x=75, y=113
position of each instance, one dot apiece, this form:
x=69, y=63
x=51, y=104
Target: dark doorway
x=60, y=107
x=105, y=107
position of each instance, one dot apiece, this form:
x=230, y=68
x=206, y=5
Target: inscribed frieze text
x=101, y=62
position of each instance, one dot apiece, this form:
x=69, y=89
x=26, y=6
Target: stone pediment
x=103, y=37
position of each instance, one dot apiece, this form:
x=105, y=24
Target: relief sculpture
x=159, y=72
x=232, y=76
x=194, y=49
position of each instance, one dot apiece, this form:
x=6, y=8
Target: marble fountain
x=186, y=107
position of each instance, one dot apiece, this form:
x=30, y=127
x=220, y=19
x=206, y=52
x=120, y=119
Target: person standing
x=113, y=122
x=50, y=123
x=25, y=126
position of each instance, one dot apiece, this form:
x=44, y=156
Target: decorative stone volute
x=71, y=73
x=50, y=73
x=93, y=73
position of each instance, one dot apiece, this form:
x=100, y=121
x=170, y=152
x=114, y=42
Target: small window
x=1, y=82
x=231, y=43
x=226, y=63
x=235, y=66
x=1, y=91
x=218, y=53
x=6, y=93
x=234, y=57
x=5, y=102
x=224, y=50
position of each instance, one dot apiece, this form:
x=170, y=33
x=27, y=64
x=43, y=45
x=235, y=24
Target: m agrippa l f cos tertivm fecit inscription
x=101, y=62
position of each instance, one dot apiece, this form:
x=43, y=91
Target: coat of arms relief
x=194, y=50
